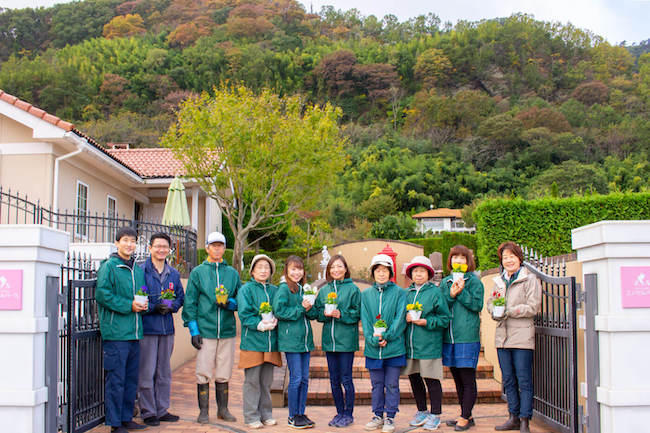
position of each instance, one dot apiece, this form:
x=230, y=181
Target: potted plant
x=142, y=295
x=380, y=325
x=308, y=294
x=266, y=311
x=221, y=294
x=499, y=304
x=414, y=310
x=331, y=302
x=167, y=296
x=458, y=270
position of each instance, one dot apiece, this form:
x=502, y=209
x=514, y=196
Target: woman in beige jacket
x=515, y=333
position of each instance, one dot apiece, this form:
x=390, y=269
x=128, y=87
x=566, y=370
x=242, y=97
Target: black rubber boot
x=203, y=393
x=222, y=402
x=511, y=424
x=523, y=425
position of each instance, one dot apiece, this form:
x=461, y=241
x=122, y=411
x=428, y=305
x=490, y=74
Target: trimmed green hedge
x=545, y=225
x=444, y=242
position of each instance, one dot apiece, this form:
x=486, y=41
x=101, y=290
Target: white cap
x=216, y=237
x=381, y=259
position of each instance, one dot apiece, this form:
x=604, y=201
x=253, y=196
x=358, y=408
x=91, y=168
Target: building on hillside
x=46, y=160
x=441, y=220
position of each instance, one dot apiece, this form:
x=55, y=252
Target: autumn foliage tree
x=124, y=26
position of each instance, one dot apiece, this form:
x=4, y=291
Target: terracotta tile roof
x=150, y=163
x=442, y=212
x=26, y=106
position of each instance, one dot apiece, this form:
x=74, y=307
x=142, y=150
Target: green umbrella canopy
x=176, y=213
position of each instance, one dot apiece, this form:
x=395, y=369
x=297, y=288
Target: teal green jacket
x=425, y=342
x=465, y=324
x=340, y=335
x=116, y=287
x=249, y=298
x=294, y=327
x=388, y=301
x=201, y=302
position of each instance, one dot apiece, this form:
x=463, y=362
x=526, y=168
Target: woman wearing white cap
x=383, y=309
x=424, y=341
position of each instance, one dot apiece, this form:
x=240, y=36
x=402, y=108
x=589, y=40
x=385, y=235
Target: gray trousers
x=257, y=393
x=155, y=379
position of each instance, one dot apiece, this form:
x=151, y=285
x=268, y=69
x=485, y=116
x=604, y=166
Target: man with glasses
x=158, y=327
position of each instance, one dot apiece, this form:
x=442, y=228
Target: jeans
x=517, y=371
x=339, y=365
x=121, y=360
x=298, y=364
x=385, y=379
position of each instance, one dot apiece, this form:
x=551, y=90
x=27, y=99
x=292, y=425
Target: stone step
x=318, y=368
x=320, y=393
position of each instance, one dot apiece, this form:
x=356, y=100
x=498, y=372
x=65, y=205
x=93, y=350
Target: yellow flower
x=332, y=295
x=409, y=307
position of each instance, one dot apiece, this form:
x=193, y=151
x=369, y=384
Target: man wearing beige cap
x=211, y=321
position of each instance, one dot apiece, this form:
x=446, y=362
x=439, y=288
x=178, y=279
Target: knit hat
x=419, y=261
x=263, y=257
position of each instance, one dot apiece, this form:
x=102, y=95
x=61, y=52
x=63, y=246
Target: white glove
x=262, y=326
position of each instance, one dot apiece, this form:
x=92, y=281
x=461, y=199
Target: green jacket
x=116, y=287
x=340, y=335
x=201, y=302
x=294, y=328
x=425, y=342
x=249, y=298
x=465, y=324
x=388, y=301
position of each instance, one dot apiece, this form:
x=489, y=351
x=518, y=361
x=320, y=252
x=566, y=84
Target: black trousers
x=465, y=380
x=420, y=393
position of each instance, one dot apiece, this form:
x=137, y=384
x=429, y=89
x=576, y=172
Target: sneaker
x=168, y=417
x=119, y=429
x=297, y=422
x=375, y=423
x=432, y=423
x=335, y=420
x=308, y=421
x=419, y=419
x=345, y=421
x=269, y=421
x=389, y=426
x=151, y=420
x=255, y=425
x=132, y=425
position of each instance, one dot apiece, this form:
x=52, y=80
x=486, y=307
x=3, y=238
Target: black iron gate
x=555, y=371
x=76, y=354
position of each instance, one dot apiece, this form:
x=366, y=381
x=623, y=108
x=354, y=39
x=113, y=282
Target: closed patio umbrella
x=176, y=213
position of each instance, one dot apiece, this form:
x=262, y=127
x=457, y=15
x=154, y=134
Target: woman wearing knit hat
x=424, y=341
x=383, y=309
x=259, y=343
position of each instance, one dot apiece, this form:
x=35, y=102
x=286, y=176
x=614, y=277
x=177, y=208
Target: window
x=458, y=224
x=111, y=218
x=81, y=228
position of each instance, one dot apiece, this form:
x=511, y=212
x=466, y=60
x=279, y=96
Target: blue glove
x=231, y=304
x=194, y=328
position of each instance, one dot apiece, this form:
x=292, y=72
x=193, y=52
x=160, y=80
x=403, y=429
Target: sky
x=615, y=20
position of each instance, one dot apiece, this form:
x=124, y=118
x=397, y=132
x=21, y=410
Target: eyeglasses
x=160, y=247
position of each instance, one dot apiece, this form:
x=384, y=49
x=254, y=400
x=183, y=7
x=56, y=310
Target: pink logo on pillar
x=635, y=286
x=11, y=289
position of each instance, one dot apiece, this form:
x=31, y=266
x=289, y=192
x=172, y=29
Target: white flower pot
x=309, y=298
x=267, y=317
x=141, y=299
x=379, y=331
x=457, y=275
x=329, y=308
x=499, y=310
x=414, y=315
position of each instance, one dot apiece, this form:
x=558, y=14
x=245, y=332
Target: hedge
x=444, y=242
x=545, y=225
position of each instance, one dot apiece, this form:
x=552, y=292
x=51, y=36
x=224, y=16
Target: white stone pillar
x=29, y=253
x=195, y=208
x=613, y=250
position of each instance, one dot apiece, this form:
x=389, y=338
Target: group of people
x=411, y=331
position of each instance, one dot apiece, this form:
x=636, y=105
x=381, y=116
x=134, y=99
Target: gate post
x=616, y=256
x=28, y=255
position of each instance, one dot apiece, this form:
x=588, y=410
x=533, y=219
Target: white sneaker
x=269, y=421
x=389, y=426
x=375, y=423
x=255, y=425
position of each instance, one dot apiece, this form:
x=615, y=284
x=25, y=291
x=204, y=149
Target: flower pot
x=499, y=310
x=414, y=314
x=457, y=275
x=379, y=331
x=267, y=317
x=309, y=298
x=329, y=308
x=222, y=299
x=141, y=299
x=167, y=302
